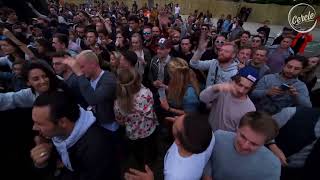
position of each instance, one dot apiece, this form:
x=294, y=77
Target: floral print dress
x=142, y=121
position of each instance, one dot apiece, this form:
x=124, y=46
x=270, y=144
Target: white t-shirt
x=186, y=168
x=177, y=10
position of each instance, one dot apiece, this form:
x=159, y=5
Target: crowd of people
x=109, y=87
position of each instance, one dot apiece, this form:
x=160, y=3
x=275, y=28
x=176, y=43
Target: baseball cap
x=164, y=43
x=249, y=73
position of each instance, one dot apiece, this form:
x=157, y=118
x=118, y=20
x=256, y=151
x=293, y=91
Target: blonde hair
x=117, y=56
x=138, y=36
x=89, y=55
x=180, y=77
x=128, y=84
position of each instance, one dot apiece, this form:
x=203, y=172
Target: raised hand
x=40, y=154
x=74, y=65
x=224, y=87
x=293, y=91
x=203, y=42
x=275, y=91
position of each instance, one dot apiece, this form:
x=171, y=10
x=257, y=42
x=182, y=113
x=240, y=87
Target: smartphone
x=284, y=87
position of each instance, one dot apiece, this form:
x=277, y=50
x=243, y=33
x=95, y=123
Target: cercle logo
x=302, y=18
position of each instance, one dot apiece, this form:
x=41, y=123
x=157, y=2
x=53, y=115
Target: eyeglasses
x=146, y=33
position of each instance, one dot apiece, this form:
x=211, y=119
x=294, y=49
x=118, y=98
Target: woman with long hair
x=182, y=93
x=40, y=78
x=114, y=61
x=144, y=55
x=134, y=110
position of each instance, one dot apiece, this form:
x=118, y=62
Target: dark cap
x=249, y=73
x=130, y=56
x=164, y=43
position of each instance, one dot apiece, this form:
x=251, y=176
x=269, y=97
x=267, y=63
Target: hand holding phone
x=284, y=87
x=275, y=90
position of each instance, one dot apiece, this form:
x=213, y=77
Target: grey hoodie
x=216, y=74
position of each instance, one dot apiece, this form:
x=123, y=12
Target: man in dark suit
x=98, y=87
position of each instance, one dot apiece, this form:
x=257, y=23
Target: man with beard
x=155, y=32
x=276, y=91
x=175, y=39
x=219, y=70
x=212, y=53
x=81, y=34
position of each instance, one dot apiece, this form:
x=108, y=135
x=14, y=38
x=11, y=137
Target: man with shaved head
x=97, y=86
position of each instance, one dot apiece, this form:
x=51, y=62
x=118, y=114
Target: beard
x=289, y=75
x=223, y=59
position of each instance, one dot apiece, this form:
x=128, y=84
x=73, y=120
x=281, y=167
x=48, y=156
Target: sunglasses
x=219, y=42
x=146, y=33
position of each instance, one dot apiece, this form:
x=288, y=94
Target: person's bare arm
x=278, y=152
x=203, y=42
x=165, y=105
x=37, y=12
x=207, y=178
x=20, y=44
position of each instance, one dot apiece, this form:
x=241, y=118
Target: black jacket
x=92, y=158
